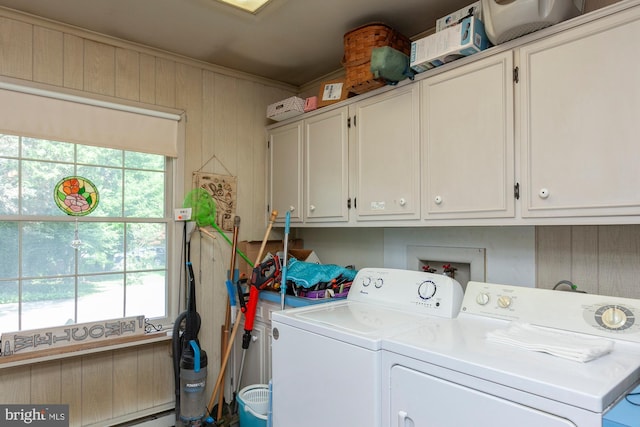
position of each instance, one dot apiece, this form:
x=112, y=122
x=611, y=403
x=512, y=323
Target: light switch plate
x=182, y=214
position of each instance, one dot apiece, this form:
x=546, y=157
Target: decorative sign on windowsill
x=80, y=333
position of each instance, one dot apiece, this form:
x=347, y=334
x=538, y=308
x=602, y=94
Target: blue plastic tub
x=253, y=405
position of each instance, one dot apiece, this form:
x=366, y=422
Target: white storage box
x=474, y=9
x=448, y=45
x=286, y=109
x=505, y=21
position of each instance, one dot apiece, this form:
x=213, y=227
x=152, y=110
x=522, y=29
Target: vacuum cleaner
x=190, y=364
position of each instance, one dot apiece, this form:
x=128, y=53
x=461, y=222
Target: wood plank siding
x=225, y=113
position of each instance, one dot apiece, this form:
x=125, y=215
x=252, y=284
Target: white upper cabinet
x=473, y=144
x=326, y=171
x=285, y=164
x=580, y=108
x=386, y=137
x=468, y=141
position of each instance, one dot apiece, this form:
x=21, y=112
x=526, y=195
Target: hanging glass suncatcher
x=76, y=196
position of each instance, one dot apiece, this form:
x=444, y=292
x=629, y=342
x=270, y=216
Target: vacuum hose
x=177, y=351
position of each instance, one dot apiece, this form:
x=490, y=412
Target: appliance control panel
x=606, y=316
x=411, y=291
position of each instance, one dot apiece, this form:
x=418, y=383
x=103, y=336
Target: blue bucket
x=253, y=405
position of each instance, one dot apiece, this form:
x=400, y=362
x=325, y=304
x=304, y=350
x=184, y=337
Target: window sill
x=82, y=349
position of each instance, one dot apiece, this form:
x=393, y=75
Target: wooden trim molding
x=82, y=349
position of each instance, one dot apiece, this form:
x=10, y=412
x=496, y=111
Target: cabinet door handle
x=402, y=201
x=292, y=208
x=312, y=208
x=403, y=417
x=438, y=200
x=543, y=193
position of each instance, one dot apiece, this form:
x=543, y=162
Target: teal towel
x=308, y=274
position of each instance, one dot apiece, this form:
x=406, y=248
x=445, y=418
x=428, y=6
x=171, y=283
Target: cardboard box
x=332, y=91
x=251, y=249
x=474, y=9
x=306, y=255
x=591, y=5
x=285, y=109
x=448, y=45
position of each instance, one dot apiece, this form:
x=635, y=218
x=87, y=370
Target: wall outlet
x=182, y=214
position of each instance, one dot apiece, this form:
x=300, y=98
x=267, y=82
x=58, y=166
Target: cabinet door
x=255, y=369
x=386, y=130
x=580, y=108
x=285, y=187
x=468, y=141
x=326, y=167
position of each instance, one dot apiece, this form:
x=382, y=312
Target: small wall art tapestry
x=223, y=189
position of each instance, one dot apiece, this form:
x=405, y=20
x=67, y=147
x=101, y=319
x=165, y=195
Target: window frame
x=174, y=190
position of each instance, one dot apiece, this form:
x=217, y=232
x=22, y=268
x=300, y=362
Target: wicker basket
x=358, y=44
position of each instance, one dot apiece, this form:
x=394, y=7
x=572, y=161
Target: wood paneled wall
x=601, y=260
x=100, y=389
x=225, y=113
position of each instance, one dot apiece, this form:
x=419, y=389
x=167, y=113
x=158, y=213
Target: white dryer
x=326, y=359
x=451, y=373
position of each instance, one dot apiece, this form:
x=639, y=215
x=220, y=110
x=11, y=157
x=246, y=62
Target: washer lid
x=361, y=324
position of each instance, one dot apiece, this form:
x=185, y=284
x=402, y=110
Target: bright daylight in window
x=119, y=267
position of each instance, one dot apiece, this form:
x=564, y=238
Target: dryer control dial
x=482, y=298
x=427, y=289
x=504, y=301
x=615, y=317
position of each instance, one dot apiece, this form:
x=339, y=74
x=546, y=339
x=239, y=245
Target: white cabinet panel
x=285, y=189
x=256, y=369
x=386, y=131
x=468, y=141
x=326, y=167
x=580, y=109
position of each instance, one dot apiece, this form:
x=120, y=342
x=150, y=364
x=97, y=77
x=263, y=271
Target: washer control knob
x=378, y=282
x=543, y=193
x=482, y=298
x=504, y=301
x=438, y=200
x=366, y=281
x=427, y=289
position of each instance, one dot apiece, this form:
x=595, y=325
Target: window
x=121, y=266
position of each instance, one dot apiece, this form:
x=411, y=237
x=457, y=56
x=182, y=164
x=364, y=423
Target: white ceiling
x=293, y=41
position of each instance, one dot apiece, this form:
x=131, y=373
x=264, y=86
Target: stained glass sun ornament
x=76, y=196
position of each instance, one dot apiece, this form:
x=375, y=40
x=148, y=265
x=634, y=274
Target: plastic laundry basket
x=253, y=405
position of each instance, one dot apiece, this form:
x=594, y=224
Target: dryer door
x=419, y=400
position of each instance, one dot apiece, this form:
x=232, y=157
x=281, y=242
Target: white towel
x=568, y=345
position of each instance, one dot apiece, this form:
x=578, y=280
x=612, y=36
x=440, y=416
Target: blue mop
x=283, y=280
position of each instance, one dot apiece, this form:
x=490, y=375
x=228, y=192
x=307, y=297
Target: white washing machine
x=448, y=373
x=326, y=359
